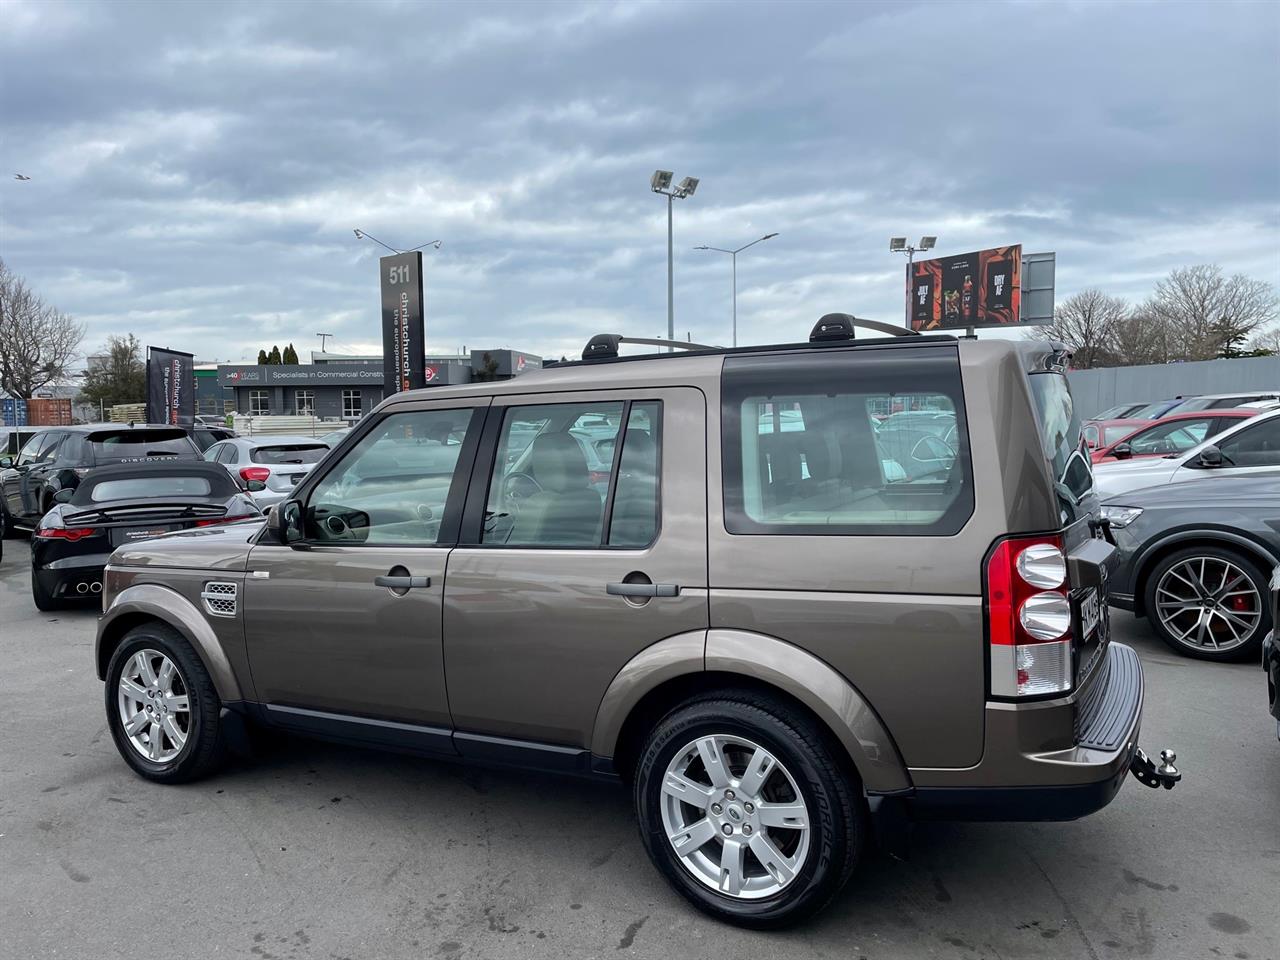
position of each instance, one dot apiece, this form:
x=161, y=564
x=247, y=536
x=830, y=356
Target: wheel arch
x=669, y=672
x=1223, y=539
x=147, y=603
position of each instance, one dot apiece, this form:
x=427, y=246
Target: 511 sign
x=403, y=326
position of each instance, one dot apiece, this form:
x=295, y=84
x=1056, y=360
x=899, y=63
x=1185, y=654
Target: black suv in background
x=57, y=458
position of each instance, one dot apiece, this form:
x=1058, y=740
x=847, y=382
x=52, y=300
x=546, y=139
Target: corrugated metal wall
x=1095, y=390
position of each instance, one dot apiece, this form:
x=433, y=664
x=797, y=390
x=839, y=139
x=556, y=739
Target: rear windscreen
x=134, y=444
x=159, y=487
x=1060, y=436
x=312, y=453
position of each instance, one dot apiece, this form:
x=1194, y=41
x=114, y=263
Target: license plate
x=1090, y=612
x=132, y=536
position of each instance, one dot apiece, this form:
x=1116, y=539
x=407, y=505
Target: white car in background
x=279, y=463
x=1250, y=448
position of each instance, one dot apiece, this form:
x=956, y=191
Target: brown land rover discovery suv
x=793, y=595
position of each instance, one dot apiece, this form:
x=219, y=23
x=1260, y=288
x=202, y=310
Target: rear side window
x=122, y=446
x=846, y=443
x=310, y=453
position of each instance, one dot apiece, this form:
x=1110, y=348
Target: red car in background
x=1103, y=433
x=1176, y=433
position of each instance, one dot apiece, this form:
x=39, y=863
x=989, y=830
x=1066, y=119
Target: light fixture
x=660, y=180
x=897, y=244
x=927, y=243
x=687, y=186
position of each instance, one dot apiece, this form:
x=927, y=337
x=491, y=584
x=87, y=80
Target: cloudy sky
x=197, y=169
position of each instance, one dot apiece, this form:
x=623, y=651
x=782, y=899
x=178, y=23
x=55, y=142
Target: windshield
x=1060, y=435
x=135, y=444
x=311, y=453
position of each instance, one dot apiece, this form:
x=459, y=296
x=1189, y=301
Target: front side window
x=30, y=452
x=1254, y=446
x=351, y=408
x=305, y=403
x=557, y=466
x=259, y=404
x=845, y=443
x=392, y=488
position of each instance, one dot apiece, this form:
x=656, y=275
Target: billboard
x=171, y=387
x=982, y=289
x=404, y=335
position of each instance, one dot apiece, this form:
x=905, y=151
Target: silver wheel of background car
x=735, y=817
x=1208, y=603
x=155, y=710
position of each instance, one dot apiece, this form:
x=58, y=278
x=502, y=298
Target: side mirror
x=284, y=523
x=1210, y=456
x=255, y=486
x=63, y=496
x=6, y=463
x=1122, y=451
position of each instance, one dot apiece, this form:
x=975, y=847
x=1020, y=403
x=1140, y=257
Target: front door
x=1255, y=449
x=584, y=542
x=343, y=629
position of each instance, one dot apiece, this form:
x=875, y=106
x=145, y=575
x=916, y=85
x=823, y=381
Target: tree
x=262, y=358
x=290, y=355
x=37, y=341
x=1207, y=312
x=117, y=375
x=1140, y=338
x=1087, y=321
x=274, y=356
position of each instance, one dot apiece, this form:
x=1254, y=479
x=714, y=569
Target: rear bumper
x=62, y=577
x=1054, y=760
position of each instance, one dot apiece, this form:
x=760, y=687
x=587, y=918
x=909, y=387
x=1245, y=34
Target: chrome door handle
x=643, y=589
x=401, y=583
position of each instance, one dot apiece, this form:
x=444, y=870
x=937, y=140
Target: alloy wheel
x=735, y=817
x=1208, y=603
x=155, y=708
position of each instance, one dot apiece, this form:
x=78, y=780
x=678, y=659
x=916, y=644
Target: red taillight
x=255, y=473
x=1029, y=617
x=67, y=533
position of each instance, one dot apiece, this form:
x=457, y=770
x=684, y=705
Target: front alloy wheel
x=1210, y=603
x=154, y=707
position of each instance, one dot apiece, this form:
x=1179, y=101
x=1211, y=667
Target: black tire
x=45, y=601
x=827, y=784
x=7, y=529
x=1251, y=648
x=203, y=751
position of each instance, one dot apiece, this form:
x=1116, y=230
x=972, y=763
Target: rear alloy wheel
x=1211, y=603
x=162, y=708
x=748, y=808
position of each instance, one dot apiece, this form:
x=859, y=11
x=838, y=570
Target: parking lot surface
x=320, y=851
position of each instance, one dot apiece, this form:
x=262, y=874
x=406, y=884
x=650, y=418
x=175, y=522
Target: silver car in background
x=278, y=462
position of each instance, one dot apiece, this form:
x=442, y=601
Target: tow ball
x=1145, y=769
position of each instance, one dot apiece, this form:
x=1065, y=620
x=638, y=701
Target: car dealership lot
x=320, y=851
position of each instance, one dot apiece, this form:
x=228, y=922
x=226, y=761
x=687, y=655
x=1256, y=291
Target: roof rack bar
x=606, y=345
x=839, y=326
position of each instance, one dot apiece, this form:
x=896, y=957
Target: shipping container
x=13, y=412
x=49, y=411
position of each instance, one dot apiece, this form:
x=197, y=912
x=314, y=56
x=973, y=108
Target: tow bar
x=1144, y=768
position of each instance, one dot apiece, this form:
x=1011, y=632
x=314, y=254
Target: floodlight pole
x=671, y=296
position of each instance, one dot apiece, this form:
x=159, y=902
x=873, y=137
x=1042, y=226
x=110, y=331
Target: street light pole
x=733, y=255
x=361, y=235
x=660, y=182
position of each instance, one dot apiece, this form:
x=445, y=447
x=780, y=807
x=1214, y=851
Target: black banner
x=171, y=387
x=404, y=335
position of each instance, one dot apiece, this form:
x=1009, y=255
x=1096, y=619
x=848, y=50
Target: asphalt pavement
x=321, y=851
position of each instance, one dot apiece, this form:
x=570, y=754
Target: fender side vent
x=219, y=598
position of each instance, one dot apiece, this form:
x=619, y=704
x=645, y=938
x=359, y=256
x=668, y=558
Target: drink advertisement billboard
x=404, y=334
x=981, y=289
x=171, y=387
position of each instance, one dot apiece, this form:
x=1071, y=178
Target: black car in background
x=57, y=458
x=124, y=504
x=206, y=434
x=1197, y=559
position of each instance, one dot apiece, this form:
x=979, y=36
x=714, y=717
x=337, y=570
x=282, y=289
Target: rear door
x=343, y=629
x=566, y=572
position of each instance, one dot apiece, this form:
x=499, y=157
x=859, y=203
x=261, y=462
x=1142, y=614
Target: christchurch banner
x=171, y=387
x=980, y=289
x=404, y=335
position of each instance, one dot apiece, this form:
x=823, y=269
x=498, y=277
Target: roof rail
x=605, y=345
x=839, y=326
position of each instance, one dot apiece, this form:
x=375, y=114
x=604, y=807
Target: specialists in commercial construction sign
x=404, y=336
x=171, y=387
x=980, y=289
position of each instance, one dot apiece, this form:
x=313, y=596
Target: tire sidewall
x=202, y=723
x=1251, y=570
x=819, y=877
